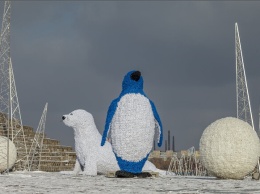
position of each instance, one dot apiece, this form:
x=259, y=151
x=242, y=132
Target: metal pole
x=173, y=142
x=259, y=123
x=169, y=140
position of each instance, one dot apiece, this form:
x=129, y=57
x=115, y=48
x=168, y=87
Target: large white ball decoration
x=229, y=148
x=3, y=153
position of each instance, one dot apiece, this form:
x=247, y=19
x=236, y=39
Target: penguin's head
x=133, y=80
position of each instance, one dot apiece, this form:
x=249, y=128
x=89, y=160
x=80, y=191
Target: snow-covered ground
x=43, y=182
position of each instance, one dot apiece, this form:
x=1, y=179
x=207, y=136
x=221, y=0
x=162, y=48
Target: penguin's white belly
x=132, y=128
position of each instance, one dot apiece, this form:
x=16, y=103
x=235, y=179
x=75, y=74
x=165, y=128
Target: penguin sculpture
x=133, y=120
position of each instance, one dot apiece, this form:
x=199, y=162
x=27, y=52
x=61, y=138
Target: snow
x=57, y=183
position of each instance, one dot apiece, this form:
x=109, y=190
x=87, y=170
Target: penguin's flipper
x=110, y=113
x=158, y=133
x=158, y=124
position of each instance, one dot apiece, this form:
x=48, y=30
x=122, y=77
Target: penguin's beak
x=136, y=75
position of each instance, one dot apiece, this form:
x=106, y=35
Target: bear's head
x=78, y=119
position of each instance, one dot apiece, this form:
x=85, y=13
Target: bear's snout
x=63, y=117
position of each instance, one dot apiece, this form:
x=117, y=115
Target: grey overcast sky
x=74, y=54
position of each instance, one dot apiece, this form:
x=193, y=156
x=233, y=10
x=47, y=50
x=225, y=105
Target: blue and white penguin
x=132, y=119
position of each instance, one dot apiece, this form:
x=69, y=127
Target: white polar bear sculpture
x=92, y=158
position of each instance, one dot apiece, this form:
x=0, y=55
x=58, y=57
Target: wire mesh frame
x=187, y=164
x=37, y=144
x=4, y=70
x=244, y=111
x=9, y=105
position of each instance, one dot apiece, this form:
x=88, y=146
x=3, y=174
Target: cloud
x=75, y=54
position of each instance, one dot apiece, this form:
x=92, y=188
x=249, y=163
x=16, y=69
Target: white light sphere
x=229, y=148
x=3, y=153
